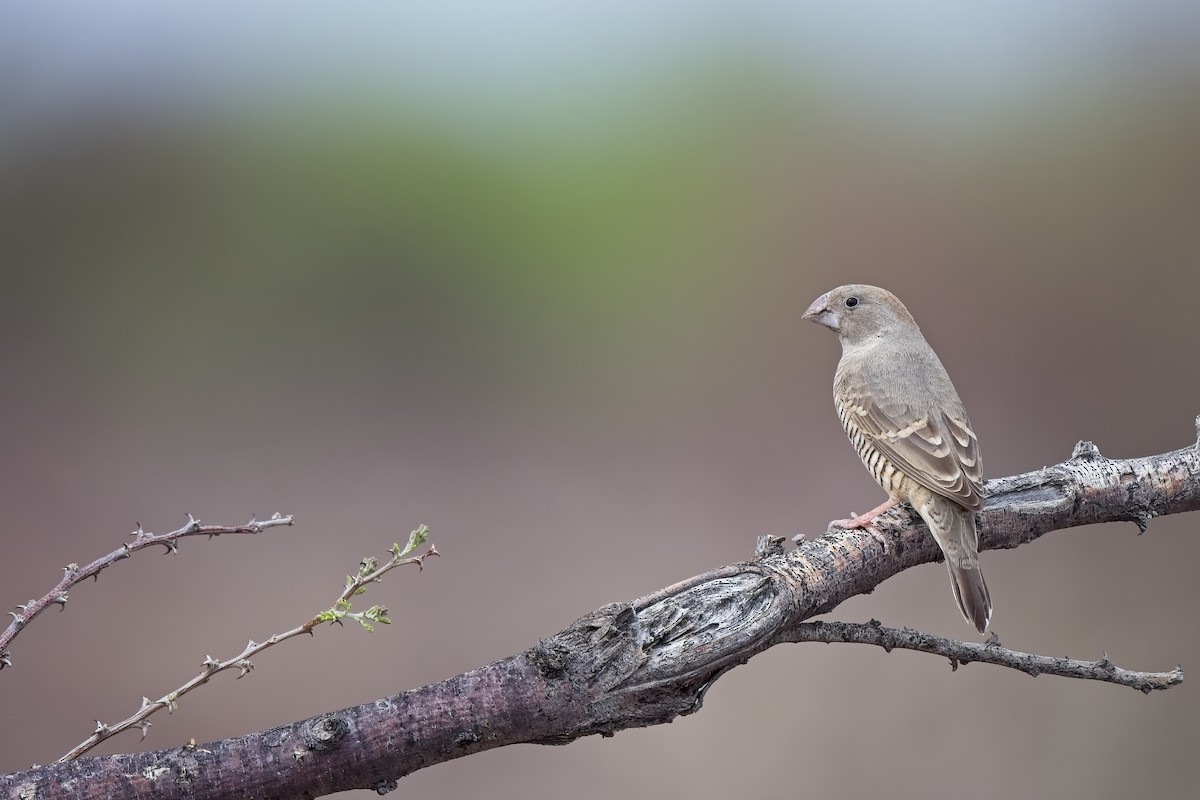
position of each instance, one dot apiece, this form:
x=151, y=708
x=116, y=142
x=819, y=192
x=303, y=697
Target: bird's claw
x=855, y=522
x=863, y=521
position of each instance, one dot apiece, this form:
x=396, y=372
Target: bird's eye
x=851, y=301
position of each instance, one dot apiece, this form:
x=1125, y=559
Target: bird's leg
x=864, y=520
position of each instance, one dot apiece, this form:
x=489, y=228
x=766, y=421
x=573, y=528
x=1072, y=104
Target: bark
x=631, y=664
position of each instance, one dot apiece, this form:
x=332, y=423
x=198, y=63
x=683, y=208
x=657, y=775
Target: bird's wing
x=934, y=446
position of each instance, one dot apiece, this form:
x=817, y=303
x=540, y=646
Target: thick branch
x=624, y=665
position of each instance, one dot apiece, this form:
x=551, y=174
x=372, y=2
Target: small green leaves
x=370, y=571
x=371, y=615
x=415, y=540
x=341, y=611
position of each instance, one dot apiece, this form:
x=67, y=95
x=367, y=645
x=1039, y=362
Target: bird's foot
x=853, y=522
x=859, y=521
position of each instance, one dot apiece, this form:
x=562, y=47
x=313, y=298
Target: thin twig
x=73, y=574
x=988, y=652
x=369, y=572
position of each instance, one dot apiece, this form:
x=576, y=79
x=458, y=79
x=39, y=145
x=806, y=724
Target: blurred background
x=532, y=273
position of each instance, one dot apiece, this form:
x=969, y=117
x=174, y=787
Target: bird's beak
x=820, y=313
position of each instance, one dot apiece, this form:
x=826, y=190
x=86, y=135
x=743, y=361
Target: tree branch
x=989, y=652
x=73, y=574
x=626, y=664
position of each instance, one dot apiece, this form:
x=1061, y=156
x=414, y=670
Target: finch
x=908, y=426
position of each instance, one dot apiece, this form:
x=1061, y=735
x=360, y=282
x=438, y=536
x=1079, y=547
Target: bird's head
x=856, y=312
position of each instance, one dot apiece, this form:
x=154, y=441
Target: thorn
x=18, y=620
x=145, y=726
x=171, y=545
x=954, y=665
x=70, y=570
x=799, y=539
x=1086, y=451
x=209, y=663
x=145, y=703
x=5, y=659
x=1142, y=520
x=62, y=601
x=101, y=729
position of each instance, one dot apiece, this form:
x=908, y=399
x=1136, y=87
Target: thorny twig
x=73, y=573
x=369, y=572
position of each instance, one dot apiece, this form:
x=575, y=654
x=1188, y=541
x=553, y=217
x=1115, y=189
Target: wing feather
x=930, y=442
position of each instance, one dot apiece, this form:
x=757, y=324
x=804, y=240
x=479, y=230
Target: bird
x=908, y=426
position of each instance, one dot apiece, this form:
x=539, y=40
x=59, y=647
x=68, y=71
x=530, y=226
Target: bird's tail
x=953, y=527
x=971, y=594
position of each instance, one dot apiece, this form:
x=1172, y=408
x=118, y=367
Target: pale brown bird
x=908, y=426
